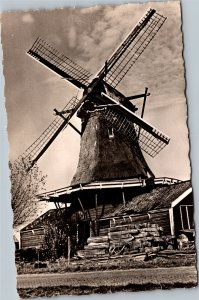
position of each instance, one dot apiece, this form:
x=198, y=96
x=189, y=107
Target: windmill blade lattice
x=35, y=151
x=124, y=121
x=133, y=128
x=59, y=63
x=130, y=50
x=150, y=142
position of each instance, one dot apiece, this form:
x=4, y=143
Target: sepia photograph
x=101, y=186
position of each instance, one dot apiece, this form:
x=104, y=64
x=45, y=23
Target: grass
x=116, y=281
x=86, y=290
x=121, y=263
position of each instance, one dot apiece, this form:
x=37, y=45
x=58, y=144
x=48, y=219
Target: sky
x=88, y=36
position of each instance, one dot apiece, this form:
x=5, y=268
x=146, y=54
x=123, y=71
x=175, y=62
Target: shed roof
x=157, y=198
x=50, y=215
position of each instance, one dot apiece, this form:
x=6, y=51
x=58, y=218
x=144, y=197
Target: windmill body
x=111, y=168
x=104, y=154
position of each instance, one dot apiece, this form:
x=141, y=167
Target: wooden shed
x=171, y=207
x=92, y=204
x=96, y=206
x=32, y=235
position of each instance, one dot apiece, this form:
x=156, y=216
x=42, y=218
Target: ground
x=105, y=276
x=79, y=283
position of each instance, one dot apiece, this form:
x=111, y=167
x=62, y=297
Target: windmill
x=112, y=135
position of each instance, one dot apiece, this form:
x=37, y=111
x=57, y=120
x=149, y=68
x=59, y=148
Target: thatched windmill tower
x=111, y=165
x=104, y=153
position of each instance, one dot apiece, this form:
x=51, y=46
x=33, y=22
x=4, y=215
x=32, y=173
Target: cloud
x=28, y=18
x=90, y=10
x=72, y=37
x=88, y=36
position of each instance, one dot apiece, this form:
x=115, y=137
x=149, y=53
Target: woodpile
x=97, y=247
x=134, y=238
x=126, y=238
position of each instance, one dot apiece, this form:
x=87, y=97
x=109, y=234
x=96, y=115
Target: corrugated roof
x=156, y=198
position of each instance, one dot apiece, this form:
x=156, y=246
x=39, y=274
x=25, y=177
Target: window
x=186, y=215
x=110, y=133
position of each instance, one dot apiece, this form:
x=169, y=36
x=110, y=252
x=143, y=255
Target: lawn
x=163, y=259
x=85, y=290
x=79, y=283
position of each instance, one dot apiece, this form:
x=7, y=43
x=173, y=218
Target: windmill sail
x=150, y=139
x=36, y=150
x=132, y=47
x=59, y=63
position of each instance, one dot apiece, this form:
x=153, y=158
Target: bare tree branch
x=25, y=185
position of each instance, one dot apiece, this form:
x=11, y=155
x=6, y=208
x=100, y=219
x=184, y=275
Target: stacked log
x=137, y=238
x=96, y=247
x=124, y=238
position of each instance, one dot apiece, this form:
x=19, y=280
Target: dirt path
x=109, y=278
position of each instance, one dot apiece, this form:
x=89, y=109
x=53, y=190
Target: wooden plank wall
x=161, y=218
x=100, y=210
x=130, y=219
x=32, y=238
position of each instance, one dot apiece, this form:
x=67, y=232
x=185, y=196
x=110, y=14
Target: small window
x=110, y=133
x=186, y=214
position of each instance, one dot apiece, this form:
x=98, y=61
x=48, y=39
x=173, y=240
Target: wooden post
x=181, y=217
x=90, y=225
x=96, y=206
x=82, y=207
x=187, y=217
x=172, y=226
x=77, y=237
x=96, y=218
x=123, y=198
x=69, y=249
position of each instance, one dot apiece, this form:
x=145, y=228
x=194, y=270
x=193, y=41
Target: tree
x=56, y=239
x=59, y=231
x=25, y=185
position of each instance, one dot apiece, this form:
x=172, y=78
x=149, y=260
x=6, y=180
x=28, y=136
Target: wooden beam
x=172, y=225
x=59, y=113
x=187, y=217
x=181, y=197
x=91, y=222
x=96, y=206
x=89, y=214
x=143, y=107
x=102, y=211
x=96, y=218
x=82, y=207
x=77, y=233
x=137, y=96
x=181, y=217
x=90, y=226
x=123, y=198
x=144, y=102
x=69, y=249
